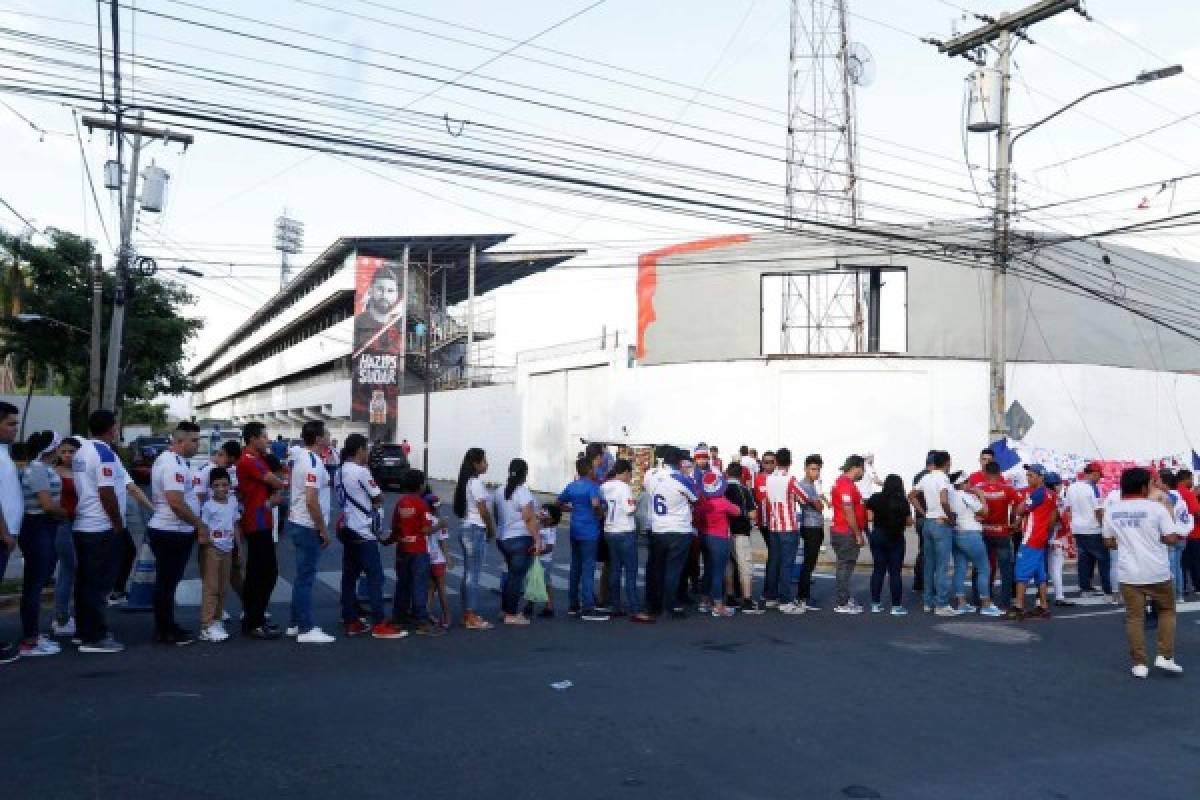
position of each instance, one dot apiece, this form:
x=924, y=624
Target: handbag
x=535, y=583
x=373, y=514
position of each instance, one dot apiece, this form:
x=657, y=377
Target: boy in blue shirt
x=582, y=498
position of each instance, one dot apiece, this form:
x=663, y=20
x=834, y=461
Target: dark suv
x=142, y=452
x=388, y=463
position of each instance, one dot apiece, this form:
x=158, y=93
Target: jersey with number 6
x=671, y=504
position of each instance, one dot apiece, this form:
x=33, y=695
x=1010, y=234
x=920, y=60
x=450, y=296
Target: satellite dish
x=860, y=65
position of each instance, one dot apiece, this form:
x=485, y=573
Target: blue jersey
x=580, y=493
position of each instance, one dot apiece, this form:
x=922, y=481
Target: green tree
x=55, y=282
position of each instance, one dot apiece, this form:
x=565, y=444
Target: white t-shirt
x=357, y=484
x=509, y=523
x=122, y=490
x=476, y=491
x=965, y=506
x=1083, y=499
x=750, y=463
x=96, y=466
x=434, y=541
x=671, y=506
x=308, y=472
x=202, y=479
x=1137, y=525
x=620, y=507
x=171, y=473
x=1183, y=518
x=220, y=519
x=931, y=487
x=12, y=497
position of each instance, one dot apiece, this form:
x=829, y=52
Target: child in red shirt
x=410, y=527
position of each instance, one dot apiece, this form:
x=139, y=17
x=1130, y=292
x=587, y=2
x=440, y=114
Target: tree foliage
x=55, y=282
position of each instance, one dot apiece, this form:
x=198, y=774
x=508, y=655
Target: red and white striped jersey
x=783, y=493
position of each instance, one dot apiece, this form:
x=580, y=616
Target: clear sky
x=714, y=69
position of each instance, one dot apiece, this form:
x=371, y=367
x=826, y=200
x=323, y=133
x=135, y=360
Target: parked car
x=142, y=452
x=387, y=464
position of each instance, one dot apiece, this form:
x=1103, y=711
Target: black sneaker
x=594, y=615
x=179, y=638
x=748, y=607
x=265, y=632
x=106, y=645
x=546, y=613
x=573, y=611
x=679, y=613
x=9, y=652
x=117, y=598
x=183, y=636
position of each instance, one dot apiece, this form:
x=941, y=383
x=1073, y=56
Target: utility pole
x=428, y=360
x=1001, y=32
x=94, y=372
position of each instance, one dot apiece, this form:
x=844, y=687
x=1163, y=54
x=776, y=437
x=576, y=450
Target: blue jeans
x=36, y=540
x=582, y=580
x=622, y=566
x=772, y=566
x=308, y=552
x=717, y=548
x=64, y=585
x=1175, y=556
x=1092, y=554
x=939, y=542
x=1002, y=547
x=361, y=557
x=412, y=587
x=518, y=559
x=969, y=547
x=474, y=549
x=779, y=574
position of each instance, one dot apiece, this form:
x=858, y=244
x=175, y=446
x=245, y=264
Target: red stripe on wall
x=647, y=280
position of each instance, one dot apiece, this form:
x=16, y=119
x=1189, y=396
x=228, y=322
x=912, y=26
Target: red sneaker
x=386, y=630
x=356, y=628
x=642, y=619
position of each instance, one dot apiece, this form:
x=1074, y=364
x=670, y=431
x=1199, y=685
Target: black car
x=388, y=463
x=142, y=452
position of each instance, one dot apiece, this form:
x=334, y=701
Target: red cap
x=1093, y=466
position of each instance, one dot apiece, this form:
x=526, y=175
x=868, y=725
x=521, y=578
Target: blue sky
x=225, y=194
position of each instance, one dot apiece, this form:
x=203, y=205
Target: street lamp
x=31, y=318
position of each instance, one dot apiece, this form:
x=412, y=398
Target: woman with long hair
x=477, y=529
x=43, y=512
x=64, y=544
x=888, y=514
x=519, y=536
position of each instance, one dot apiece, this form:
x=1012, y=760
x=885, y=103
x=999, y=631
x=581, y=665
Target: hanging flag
x=1195, y=460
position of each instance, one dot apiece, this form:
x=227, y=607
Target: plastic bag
x=535, y=583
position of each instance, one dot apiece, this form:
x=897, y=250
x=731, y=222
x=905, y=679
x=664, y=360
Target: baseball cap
x=713, y=484
x=1036, y=469
x=1053, y=479
x=1092, y=466
x=700, y=450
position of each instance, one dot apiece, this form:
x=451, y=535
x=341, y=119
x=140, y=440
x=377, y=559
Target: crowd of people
x=983, y=543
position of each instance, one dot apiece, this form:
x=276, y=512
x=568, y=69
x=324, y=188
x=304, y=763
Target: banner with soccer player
x=377, y=361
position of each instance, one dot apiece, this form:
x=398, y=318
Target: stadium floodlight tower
x=289, y=240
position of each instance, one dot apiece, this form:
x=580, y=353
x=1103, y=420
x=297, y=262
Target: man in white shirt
x=932, y=496
x=12, y=504
x=173, y=528
x=1142, y=530
x=1087, y=515
x=99, y=521
x=671, y=534
x=308, y=529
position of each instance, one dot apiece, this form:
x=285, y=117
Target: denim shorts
x=1031, y=565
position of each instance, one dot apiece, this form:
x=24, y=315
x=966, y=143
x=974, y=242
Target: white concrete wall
x=487, y=417
x=895, y=407
x=46, y=412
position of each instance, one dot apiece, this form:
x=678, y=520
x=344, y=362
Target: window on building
x=823, y=312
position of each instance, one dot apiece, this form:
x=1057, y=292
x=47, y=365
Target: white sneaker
x=213, y=633
x=46, y=641
x=946, y=611
x=64, y=630
x=1168, y=664
x=1140, y=670
x=225, y=616
x=42, y=647
x=847, y=609
x=791, y=608
x=293, y=631
x=315, y=636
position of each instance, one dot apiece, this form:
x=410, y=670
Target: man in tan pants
x=1141, y=530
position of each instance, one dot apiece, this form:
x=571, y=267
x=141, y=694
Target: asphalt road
x=819, y=706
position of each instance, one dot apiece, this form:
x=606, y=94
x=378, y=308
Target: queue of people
x=982, y=542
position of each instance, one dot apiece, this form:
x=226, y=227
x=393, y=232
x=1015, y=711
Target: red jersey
x=1000, y=497
x=977, y=478
x=758, y=484
x=1188, y=496
x=1041, y=505
x=846, y=491
x=410, y=524
x=254, y=492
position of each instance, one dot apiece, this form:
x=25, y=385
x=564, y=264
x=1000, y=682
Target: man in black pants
x=173, y=528
x=256, y=485
x=812, y=531
x=918, y=584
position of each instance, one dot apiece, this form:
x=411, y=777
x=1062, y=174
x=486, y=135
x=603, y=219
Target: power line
x=88, y=171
